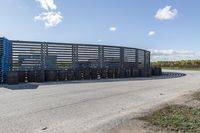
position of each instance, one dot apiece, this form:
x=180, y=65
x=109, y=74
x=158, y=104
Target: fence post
x=145, y=63
x=101, y=56
x=122, y=57
x=74, y=55
x=136, y=58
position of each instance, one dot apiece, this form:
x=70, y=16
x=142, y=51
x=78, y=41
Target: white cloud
x=50, y=19
x=151, y=33
x=167, y=13
x=170, y=52
x=113, y=29
x=47, y=4
x=173, y=55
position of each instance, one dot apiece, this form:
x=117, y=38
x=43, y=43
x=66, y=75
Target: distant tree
x=178, y=64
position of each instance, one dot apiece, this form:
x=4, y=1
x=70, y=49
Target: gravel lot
x=87, y=106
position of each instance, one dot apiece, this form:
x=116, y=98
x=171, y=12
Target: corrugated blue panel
x=5, y=59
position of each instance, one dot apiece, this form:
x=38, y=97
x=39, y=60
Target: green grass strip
x=176, y=118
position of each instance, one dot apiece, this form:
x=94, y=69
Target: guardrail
x=15, y=77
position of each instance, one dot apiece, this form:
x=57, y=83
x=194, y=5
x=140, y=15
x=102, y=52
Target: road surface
x=86, y=106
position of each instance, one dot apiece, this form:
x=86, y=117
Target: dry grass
x=196, y=96
x=176, y=118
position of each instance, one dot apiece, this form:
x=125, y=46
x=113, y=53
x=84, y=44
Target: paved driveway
x=86, y=106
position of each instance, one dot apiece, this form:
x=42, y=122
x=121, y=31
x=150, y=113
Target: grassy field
x=176, y=118
x=181, y=68
x=180, y=118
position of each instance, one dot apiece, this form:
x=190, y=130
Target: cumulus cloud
x=113, y=29
x=47, y=4
x=50, y=19
x=173, y=55
x=151, y=33
x=166, y=13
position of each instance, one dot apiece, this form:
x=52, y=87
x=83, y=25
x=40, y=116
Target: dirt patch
x=196, y=96
x=139, y=126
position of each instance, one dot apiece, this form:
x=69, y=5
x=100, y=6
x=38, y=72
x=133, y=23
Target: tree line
x=178, y=64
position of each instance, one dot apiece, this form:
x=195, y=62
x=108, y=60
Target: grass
x=196, y=96
x=176, y=118
x=182, y=68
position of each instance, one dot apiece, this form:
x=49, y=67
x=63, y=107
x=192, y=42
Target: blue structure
x=5, y=54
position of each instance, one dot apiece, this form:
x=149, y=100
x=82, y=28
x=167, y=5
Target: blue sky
x=169, y=28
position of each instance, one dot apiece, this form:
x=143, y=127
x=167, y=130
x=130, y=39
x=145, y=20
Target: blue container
x=5, y=55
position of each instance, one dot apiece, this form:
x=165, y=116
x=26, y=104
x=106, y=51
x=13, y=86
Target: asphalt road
x=87, y=106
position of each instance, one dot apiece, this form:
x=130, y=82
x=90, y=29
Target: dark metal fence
x=61, y=56
x=48, y=61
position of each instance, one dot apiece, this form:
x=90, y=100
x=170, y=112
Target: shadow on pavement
x=23, y=86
